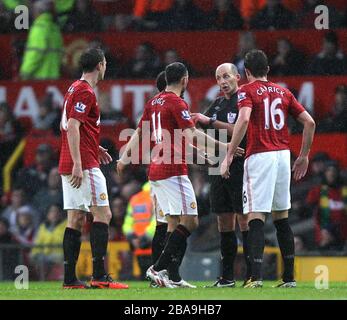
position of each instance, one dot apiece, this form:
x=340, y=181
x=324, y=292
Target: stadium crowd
x=33, y=214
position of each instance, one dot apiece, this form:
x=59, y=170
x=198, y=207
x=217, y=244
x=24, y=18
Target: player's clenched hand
x=300, y=167
x=104, y=157
x=76, y=176
x=198, y=117
x=239, y=152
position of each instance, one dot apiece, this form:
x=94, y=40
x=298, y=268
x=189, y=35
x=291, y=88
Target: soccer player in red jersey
x=84, y=185
x=263, y=110
x=163, y=115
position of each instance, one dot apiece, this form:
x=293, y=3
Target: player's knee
x=191, y=223
x=76, y=220
x=102, y=214
x=243, y=222
x=226, y=222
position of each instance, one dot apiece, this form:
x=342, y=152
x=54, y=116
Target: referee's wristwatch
x=212, y=120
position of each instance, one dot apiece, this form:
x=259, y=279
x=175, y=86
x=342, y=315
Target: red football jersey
x=80, y=104
x=271, y=104
x=164, y=113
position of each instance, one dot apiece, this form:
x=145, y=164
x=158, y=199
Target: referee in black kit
x=226, y=194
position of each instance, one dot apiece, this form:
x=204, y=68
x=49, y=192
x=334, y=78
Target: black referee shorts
x=226, y=194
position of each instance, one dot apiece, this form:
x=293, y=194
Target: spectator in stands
x=47, y=115
x=34, y=178
x=145, y=64
x=149, y=14
x=63, y=8
x=18, y=201
x=246, y=43
x=331, y=60
x=274, y=16
x=24, y=230
x=118, y=209
x=9, y=257
x=121, y=23
x=50, y=233
x=299, y=190
x=225, y=16
x=10, y=133
x=130, y=188
x=44, y=48
x=6, y=20
x=184, y=15
x=139, y=227
x=306, y=18
x=49, y=195
x=288, y=61
x=336, y=120
x=171, y=56
x=329, y=203
x=83, y=18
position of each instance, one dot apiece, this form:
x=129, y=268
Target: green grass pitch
x=141, y=291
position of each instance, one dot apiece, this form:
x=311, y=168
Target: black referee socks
x=158, y=242
x=285, y=239
x=174, y=249
x=256, y=244
x=228, y=247
x=98, y=242
x=71, y=248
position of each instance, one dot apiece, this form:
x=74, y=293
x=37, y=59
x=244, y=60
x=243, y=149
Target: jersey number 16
x=272, y=111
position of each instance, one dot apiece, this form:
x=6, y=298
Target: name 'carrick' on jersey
x=164, y=113
x=80, y=104
x=271, y=104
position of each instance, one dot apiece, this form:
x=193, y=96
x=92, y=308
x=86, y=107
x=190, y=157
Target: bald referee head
x=227, y=77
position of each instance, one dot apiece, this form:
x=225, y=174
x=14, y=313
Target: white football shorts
x=159, y=213
x=266, y=182
x=92, y=192
x=175, y=195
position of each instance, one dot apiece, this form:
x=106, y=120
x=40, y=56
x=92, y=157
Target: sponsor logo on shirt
x=80, y=107
x=231, y=117
x=71, y=89
x=241, y=96
x=186, y=115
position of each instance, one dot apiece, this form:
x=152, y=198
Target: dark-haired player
x=169, y=179
x=263, y=110
x=226, y=194
x=84, y=185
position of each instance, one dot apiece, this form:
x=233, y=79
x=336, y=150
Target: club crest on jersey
x=80, y=107
x=231, y=117
x=241, y=96
x=186, y=115
x=214, y=117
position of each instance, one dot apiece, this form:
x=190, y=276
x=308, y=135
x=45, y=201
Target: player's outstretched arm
x=73, y=138
x=202, y=137
x=133, y=144
x=301, y=163
x=205, y=120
